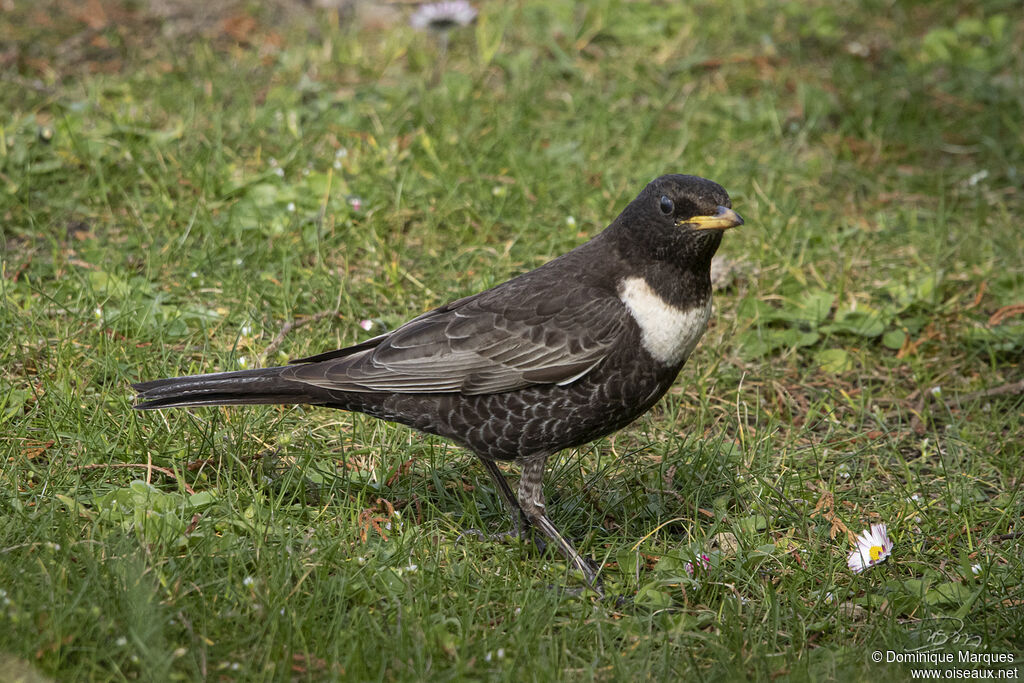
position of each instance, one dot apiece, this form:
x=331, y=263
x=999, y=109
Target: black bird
x=548, y=360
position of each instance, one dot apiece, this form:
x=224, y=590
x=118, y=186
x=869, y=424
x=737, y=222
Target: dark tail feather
x=245, y=387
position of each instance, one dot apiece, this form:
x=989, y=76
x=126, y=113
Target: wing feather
x=503, y=339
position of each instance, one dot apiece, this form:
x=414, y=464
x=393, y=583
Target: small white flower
x=570, y=221
x=121, y=641
x=341, y=153
x=858, y=49
x=975, y=569
x=936, y=391
x=243, y=362
x=337, y=165
x=501, y=653
x=279, y=172
x=412, y=567
x=246, y=330
x=290, y=207
x=443, y=16
x=872, y=548
x=248, y=581
x=366, y=324
x=977, y=177
x=193, y=274
x=239, y=261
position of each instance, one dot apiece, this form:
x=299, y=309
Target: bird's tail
x=244, y=387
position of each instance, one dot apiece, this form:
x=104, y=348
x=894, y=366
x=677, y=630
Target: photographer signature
x=942, y=632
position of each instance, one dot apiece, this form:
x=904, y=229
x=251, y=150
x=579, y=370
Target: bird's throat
x=668, y=333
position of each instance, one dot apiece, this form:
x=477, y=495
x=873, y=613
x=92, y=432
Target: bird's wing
x=493, y=342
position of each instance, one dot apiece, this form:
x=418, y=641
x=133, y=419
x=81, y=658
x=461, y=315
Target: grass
x=173, y=192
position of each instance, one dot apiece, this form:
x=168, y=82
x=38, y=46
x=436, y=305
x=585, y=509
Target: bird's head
x=677, y=217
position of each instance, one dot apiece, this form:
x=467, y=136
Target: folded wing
x=489, y=343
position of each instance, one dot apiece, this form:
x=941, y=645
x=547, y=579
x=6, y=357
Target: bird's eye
x=667, y=207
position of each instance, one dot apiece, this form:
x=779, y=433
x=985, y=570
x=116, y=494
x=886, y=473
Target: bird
x=551, y=359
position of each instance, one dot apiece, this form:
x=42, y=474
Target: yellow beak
x=722, y=220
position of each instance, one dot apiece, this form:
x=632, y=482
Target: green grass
x=198, y=191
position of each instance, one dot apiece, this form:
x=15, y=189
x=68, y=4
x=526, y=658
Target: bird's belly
x=540, y=419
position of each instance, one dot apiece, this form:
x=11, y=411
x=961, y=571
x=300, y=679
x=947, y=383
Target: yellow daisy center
x=875, y=552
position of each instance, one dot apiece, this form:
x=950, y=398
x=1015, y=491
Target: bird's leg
x=520, y=524
x=531, y=502
x=519, y=521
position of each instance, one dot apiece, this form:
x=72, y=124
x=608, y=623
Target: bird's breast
x=668, y=333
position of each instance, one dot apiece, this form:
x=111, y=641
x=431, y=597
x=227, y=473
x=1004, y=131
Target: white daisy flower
x=442, y=16
x=872, y=548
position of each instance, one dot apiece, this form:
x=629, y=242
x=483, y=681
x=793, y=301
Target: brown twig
x=979, y=296
x=293, y=324
x=161, y=470
x=1004, y=313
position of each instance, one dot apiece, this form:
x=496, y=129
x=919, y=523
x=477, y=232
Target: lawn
x=185, y=188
